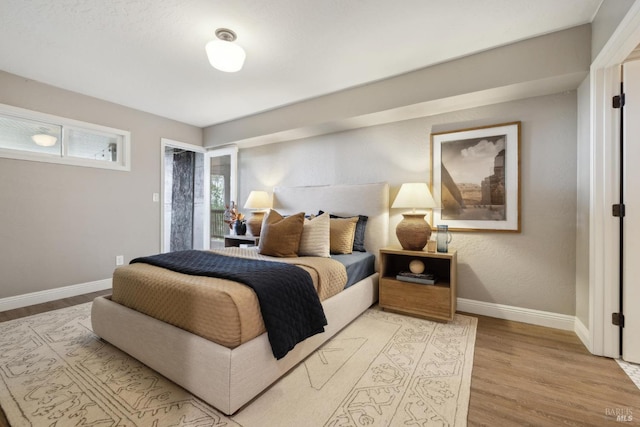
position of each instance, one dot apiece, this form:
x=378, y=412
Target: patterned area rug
x=383, y=369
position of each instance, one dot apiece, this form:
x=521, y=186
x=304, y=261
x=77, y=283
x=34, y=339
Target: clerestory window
x=34, y=136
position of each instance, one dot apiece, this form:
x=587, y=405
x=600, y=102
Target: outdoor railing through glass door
x=218, y=227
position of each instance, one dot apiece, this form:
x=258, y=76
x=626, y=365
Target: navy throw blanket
x=289, y=304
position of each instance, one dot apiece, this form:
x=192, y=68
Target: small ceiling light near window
x=223, y=54
x=44, y=140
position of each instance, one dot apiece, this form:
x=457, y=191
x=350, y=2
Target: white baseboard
x=518, y=314
x=25, y=300
x=583, y=333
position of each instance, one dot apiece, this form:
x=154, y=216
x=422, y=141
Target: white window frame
x=124, y=147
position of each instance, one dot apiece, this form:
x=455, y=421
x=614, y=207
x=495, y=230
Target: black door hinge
x=618, y=210
x=618, y=101
x=617, y=319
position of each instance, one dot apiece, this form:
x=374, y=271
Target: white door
x=631, y=182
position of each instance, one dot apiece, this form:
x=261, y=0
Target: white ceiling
x=149, y=54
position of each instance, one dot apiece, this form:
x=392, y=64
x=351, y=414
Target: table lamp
x=413, y=231
x=260, y=202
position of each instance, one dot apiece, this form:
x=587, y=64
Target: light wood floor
x=531, y=375
x=522, y=375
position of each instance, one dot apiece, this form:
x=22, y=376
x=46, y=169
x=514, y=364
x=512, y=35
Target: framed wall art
x=475, y=178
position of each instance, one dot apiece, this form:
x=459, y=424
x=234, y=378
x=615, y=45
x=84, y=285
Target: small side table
x=436, y=302
x=231, y=240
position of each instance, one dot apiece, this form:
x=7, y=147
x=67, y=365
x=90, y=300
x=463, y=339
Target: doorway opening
x=221, y=168
x=197, y=188
x=183, y=196
x=604, y=253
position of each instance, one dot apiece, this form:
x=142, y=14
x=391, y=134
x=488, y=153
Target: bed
x=228, y=378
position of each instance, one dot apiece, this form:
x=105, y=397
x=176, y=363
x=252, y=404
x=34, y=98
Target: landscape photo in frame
x=476, y=179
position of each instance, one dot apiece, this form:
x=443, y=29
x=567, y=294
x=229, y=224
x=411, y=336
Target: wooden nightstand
x=233, y=240
x=436, y=302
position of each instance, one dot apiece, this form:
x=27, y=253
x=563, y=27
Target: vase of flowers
x=235, y=220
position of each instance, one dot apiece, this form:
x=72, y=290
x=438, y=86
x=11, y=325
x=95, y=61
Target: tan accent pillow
x=315, y=237
x=342, y=233
x=280, y=236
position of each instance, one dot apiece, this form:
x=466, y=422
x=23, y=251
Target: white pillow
x=315, y=237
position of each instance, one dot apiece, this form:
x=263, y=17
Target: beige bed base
x=229, y=378
x=225, y=378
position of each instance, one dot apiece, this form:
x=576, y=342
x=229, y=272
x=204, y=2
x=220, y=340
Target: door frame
x=630, y=344
x=604, y=163
x=170, y=143
x=228, y=150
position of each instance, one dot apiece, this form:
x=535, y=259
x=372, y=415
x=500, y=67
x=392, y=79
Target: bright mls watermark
x=623, y=415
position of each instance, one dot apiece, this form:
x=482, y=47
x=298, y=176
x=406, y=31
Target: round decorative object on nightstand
x=416, y=266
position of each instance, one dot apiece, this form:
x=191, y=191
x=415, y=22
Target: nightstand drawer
x=423, y=300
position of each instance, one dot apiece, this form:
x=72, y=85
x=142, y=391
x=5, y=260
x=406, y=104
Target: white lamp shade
x=225, y=56
x=44, y=140
x=258, y=200
x=414, y=195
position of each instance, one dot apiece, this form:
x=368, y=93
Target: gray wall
x=64, y=225
x=607, y=19
x=385, y=132
x=533, y=269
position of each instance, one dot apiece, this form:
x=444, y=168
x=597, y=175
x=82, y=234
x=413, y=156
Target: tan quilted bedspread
x=220, y=310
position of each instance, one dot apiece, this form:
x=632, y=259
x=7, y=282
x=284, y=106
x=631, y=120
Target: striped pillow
x=315, y=237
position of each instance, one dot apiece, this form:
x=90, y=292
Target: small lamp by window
x=413, y=231
x=260, y=201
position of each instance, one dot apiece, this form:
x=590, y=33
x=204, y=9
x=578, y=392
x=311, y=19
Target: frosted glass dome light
x=223, y=54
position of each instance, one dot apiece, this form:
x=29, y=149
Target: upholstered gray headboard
x=343, y=200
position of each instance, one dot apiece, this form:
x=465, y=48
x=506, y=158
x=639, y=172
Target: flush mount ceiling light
x=44, y=140
x=223, y=54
